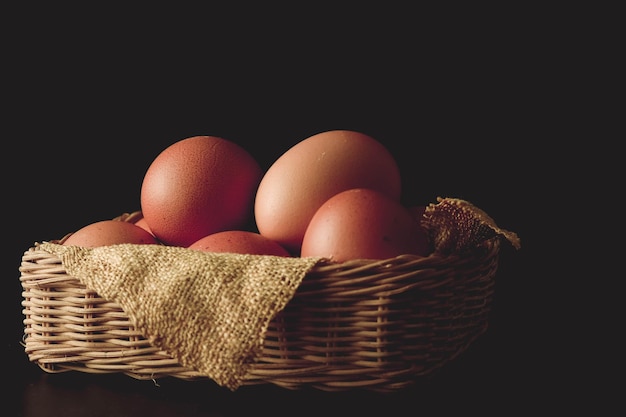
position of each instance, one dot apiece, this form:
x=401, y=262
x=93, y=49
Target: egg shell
x=198, y=186
x=362, y=224
x=311, y=172
x=239, y=241
x=109, y=232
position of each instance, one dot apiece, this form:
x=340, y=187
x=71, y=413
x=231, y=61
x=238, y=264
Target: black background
x=464, y=107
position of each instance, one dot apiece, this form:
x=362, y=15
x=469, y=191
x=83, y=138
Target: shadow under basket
x=376, y=325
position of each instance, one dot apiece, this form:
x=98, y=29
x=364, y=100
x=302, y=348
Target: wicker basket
x=376, y=325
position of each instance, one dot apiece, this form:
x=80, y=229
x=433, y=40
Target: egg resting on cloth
x=209, y=310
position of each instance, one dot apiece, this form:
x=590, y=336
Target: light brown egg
x=239, y=241
x=314, y=170
x=362, y=224
x=109, y=232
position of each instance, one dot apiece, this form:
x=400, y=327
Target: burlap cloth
x=456, y=226
x=211, y=310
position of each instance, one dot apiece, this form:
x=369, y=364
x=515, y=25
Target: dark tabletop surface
x=85, y=123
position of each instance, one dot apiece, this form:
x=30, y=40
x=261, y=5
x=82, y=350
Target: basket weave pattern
x=360, y=324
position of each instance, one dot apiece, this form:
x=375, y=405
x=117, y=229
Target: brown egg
x=109, y=232
x=314, y=170
x=362, y=224
x=198, y=186
x=239, y=241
